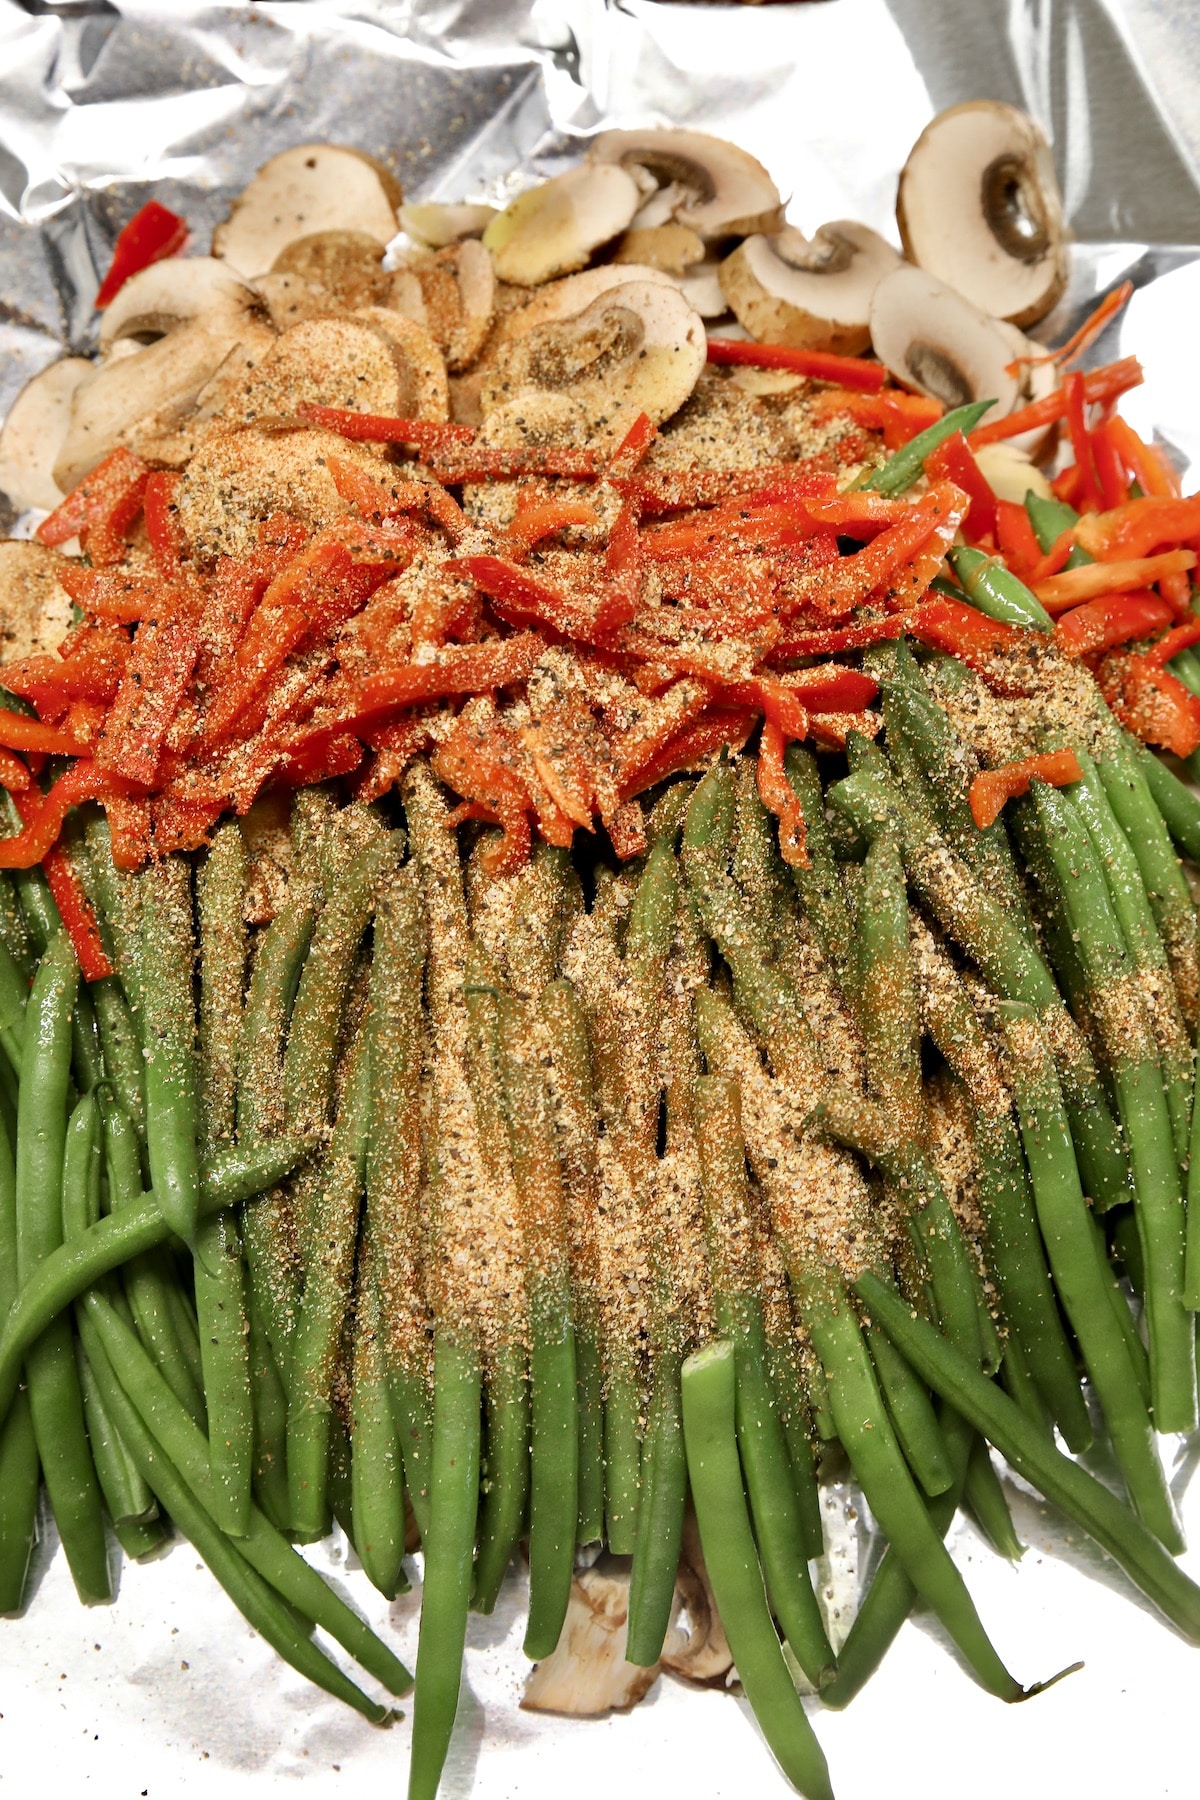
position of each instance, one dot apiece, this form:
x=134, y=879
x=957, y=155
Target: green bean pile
x=479, y=1212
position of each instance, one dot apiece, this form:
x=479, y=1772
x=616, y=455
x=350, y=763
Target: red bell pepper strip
x=378, y=428
x=1075, y=412
x=1113, y=619
x=633, y=447
x=111, y=594
x=82, y=782
x=537, y=519
x=818, y=365
x=521, y=599
x=898, y=415
x=1140, y=526
x=937, y=513
x=1100, y=387
x=1093, y=579
x=163, y=659
x=833, y=688
x=151, y=234
x=1068, y=486
x=1152, y=703
x=846, y=637
x=17, y=732
x=1110, y=470
x=1016, y=539
x=70, y=896
x=953, y=461
x=627, y=830
x=1087, y=333
x=160, y=504
x=13, y=773
x=459, y=669
x=101, y=508
x=992, y=787
x=1182, y=638
x=1145, y=462
x=719, y=728
x=1056, y=557
x=779, y=797
x=88, y=669
x=491, y=463
x=667, y=490
x=775, y=700
x=951, y=625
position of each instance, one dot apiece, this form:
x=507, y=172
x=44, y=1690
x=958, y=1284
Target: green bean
x=901, y=470
x=269, y=1468
x=986, y=1501
x=148, y=1279
x=139, y=1532
x=122, y=1050
x=996, y=591
x=331, y=1237
x=1080, y=1279
x=225, y=1367
x=18, y=1449
x=709, y=1389
x=169, y=1030
x=453, y=1501
x=235, y=1175
x=820, y=886
x=1158, y=1197
x=1050, y=518
x=1178, y=805
x=14, y=933
x=394, y=1169
x=376, y=1466
x=505, y=1488
x=912, y=1416
x=1034, y=1456
x=569, y=1077
x=313, y=1038
x=14, y=997
x=220, y=897
x=55, y=1400
x=554, y=1443
x=877, y=1462
x=266, y=1610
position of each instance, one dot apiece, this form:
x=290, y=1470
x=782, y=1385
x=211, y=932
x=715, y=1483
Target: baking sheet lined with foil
x=168, y=1692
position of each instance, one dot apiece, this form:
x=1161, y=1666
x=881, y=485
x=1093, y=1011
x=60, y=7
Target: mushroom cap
x=553, y=228
x=810, y=294
x=34, y=431
x=637, y=347
x=437, y=223
x=979, y=207
x=315, y=187
x=562, y=299
x=451, y=292
x=35, y=609
x=935, y=341
x=723, y=191
x=169, y=293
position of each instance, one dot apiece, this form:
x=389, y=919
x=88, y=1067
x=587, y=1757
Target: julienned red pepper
x=378, y=428
x=521, y=599
x=1016, y=539
x=779, y=797
x=1151, y=702
x=993, y=787
x=151, y=234
x=846, y=637
x=46, y=813
x=17, y=732
x=1110, y=470
x=980, y=642
x=461, y=669
x=1075, y=412
x=819, y=365
x=160, y=503
x=1100, y=387
x=953, y=461
x=633, y=446
x=720, y=727
x=101, y=508
x=1114, y=619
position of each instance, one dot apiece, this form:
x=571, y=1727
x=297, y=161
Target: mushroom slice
x=451, y=292
x=722, y=190
x=563, y=299
x=171, y=293
x=237, y=479
x=315, y=187
x=979, y=207
x=937, y=342
x=34, y=431
x=423, y=390
x=35, y=609
x=638, y=348
x=811, y=294
x=701, y=288
x=321, y=362
x=673, y=248
x=437, y=223
x=701, y=1653
x=587, y=1673
x=1010, y=472
x=345, y=266
x=554, y=228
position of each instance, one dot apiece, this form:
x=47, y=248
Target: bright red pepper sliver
x=151, y=234
x=992, y=787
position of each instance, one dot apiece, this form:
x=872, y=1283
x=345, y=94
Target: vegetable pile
x=556, y=963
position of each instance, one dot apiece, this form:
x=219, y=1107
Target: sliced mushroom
x=937, y=342
x=139, y=399
x=1038, y=376
x=171, y=293
x=35, y=609
x=237, y=479
x=34, y=431
x=979, y=207
x=811, y=294
x=313, y=188
x=1011, y=473
x=721, y=190
x=672, y=248
x=638, y=348
x=438, y=223
x=423, y=390
x=345, y=266
x=451, y=292
x=552, y=229
x=564, y=299
x=322, y=362
x=701, y=1653
x=701, y=288
x=587, y=1674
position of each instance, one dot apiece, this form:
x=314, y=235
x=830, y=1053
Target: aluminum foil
x=167, y=1692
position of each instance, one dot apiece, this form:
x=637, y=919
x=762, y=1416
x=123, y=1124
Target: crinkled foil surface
x=101, y=104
